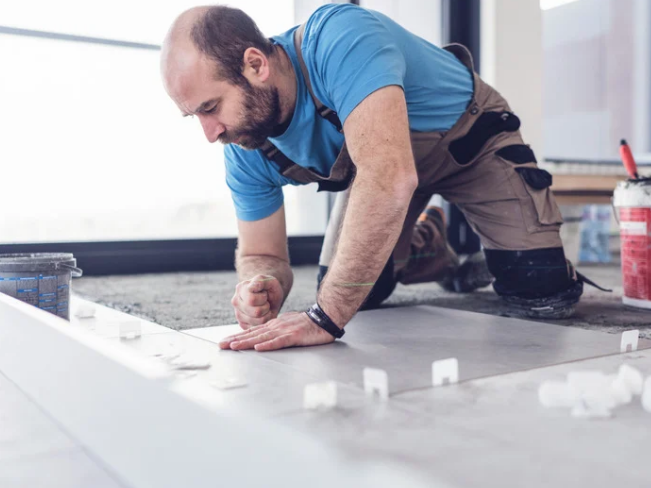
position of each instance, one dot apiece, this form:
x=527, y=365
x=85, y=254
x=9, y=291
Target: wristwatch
x=320, y=318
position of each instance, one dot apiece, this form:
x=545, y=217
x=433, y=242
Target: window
x=92, y=147
x=597, y=78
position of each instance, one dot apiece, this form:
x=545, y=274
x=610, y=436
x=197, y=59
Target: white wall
x=511, y=60
x=642, y=77
x=422, y=17
x=303, y=8
x=596, y=78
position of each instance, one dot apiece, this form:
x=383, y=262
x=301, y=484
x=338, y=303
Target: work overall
x=481, y=165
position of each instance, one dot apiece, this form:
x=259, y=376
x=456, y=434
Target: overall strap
x=462, y=53
x=272, y=152
x=325, y=112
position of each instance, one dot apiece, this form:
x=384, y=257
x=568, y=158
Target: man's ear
x=256, y=66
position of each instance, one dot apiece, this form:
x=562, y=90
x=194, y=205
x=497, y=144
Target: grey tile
x=405, y=341
x=24, y=429
x=214, y=334
x=65, y=469
x=271, y=388
x=494, y=432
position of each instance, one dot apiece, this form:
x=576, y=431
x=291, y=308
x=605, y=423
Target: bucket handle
x=76, y=272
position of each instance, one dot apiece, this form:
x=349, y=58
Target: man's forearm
x=250, y=266
x=374, y=219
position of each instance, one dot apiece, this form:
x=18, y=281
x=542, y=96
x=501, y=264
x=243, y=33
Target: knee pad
x=536, y=273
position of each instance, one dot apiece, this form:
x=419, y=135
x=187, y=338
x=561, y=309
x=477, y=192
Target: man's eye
x=210, y=110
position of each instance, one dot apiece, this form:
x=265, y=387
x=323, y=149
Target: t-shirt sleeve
x=355, y=55
x=255, y=192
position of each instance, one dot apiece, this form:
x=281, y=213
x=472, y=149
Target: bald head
x=217, y=65
x=218, y=33
x=178, y=53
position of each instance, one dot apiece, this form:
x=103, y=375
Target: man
x=357, y=104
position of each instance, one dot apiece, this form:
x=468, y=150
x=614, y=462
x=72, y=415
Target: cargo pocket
x=489, y=124
x=538, y=206
x=537, y=182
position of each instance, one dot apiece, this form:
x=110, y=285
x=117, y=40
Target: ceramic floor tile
x=494, y=432
x=405, y=341
x=66, y=469
x=214, y=334
x=270, y=388
x=24, y=429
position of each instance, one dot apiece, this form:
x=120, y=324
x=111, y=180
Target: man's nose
x=211, y=128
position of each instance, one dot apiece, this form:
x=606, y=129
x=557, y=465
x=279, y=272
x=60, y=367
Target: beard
x=260, y=115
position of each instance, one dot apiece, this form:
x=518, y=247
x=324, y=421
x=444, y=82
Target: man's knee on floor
x=537, y=273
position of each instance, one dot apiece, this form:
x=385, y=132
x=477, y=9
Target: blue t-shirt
x=350, y=52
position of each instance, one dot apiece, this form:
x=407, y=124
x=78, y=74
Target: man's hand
x=289, y=329
x=257, y=301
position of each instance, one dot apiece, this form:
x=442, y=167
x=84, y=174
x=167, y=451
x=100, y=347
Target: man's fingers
x=258, y=286
x=247, y=322
x=254, y=299
x=236, y=337
x=280, y=342
x=225, y=343
x=248, y=343
x=255, y=311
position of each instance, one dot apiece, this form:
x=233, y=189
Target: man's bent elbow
x=400, y=183
x=405, y=184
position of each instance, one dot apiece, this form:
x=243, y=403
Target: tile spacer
x=629, y=338
x=376, y=382
x=320, y=395
x=445, y=369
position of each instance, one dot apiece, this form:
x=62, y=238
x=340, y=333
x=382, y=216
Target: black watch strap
x=320, y=318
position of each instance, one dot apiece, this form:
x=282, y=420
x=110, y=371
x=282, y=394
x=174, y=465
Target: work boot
x=431, y=257
x=470, y=276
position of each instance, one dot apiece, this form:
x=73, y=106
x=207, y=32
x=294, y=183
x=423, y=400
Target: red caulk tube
x=627, y=159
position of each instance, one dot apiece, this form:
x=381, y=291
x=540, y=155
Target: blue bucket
x=40, y=279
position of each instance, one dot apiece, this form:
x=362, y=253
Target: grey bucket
x=40, y=279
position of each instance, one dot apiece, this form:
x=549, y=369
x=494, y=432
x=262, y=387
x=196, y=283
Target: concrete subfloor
x=190, y=300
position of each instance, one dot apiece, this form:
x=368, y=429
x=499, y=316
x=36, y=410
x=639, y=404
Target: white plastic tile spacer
x=558, y=394
x=445, y=369
x=583, y=411
x=629, y=338
x=620, y=390
x=646, y=395
x=630, y=378
x=376, y=382
x=586, y=380
x=185, y=362
x=228, y=383
x=130, y=329
x=320, y=395
x=85, y=310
